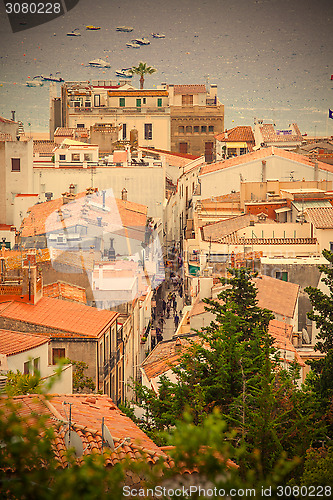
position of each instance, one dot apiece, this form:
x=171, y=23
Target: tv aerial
x=72, y=439
x=107, y=439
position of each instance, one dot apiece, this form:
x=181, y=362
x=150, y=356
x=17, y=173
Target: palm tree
x=142, y=70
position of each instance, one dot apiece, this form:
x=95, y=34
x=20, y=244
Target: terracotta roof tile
x=68, y=317
x=321, y=218
x=262, y=154
x=45, y=148
x=12, y=343
x=276, y=295
x=218, y=230
x=282, y=334
x=165, y=355
x=237, y=134
x=269, y=134
x=45, y=217
x=189, y=89
x=62, y=290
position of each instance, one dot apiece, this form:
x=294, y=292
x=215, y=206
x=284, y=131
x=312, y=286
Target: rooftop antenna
x=107, y=439
x=72, y=439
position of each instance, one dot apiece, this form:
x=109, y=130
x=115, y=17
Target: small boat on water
x=99, y=63
x=93, y=28
x=141, y=41
x=125, y=29
x=50, y=78
x=133, y=45
x=33, y=83
x=74, y=33
x=124, y=73
x=158, y=35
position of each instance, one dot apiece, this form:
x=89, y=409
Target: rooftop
x=321, y=218
x=261, y=154
x=237, y=134
x=66, y=291
x=189, y=89
x=12, y=343
x=69, y=318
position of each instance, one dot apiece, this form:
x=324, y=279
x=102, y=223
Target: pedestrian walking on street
x=168, y=310
x=163, y=306
x=174, y=303
x=161, y=322
x=176, y=320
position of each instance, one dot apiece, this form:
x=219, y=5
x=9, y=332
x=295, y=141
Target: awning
x=282, y=209
x=236, y=144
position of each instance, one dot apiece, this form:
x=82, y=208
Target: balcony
x=109, y=364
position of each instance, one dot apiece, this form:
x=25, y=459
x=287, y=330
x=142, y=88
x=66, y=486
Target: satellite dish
x=73, y=440
x=107, y=439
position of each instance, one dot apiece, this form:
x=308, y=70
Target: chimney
x=112, y=252
x=316, y=171
x=213, y=91
x=67, y=197
x=178, y=345
x=124, y=194
x=13, y=115
x=99, y=221
x=103, y=195
x=48, y=196
x=72, y=188
x=263, y=171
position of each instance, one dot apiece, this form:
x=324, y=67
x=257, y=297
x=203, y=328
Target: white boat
x=141, y=41
x=126, y=29
x=74, y=33
x=133, y=45
x=158, y=35
x=99, y=63
x=124, y=73
x=33, y=83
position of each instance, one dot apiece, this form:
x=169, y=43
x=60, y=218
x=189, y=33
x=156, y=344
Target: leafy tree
x=80, y=381
x=142, y=69
x=22, y=383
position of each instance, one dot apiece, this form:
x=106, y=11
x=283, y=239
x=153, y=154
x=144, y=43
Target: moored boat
x=141, y=41
x=93, y=28
x=125, y=29
x=158, y=35
x=99, y=63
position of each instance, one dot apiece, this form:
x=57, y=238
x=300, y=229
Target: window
x=144, y=100
x=77, y=104
x=187, y=100
x=122, y=102
x=87, y=157
x=189, y=129
x=97, y=100
x=211, y=128
x=281, y=275
x=181, y=129
x=183, y=147
x=57, y=353
x=76, y=157
x=16, y=164
x=80, y=125
x=62, y=157
x=203, y=129
x=196, y=129
x=26, y=368
x=159, y=102
x=36, y=365
x=124, y=131
x=148, y=131
x=138, y=103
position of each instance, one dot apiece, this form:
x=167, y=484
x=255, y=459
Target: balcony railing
x=110, y=364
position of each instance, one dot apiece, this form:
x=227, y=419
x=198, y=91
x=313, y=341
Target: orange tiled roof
x=12, y=343
x=237, y=134
x=44, y=218
x=218, y=230
x=44, y=147
x=321, y=218
x=269, y=134
x=171, y=153
x=62, y=290
x=229, y=197
x=282, y=334
x=260, y=155
x=70, y=318
x=189, y=89
x=5, y=137
x=276, y=295
x=87, y=412
x=165, y=355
